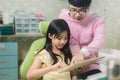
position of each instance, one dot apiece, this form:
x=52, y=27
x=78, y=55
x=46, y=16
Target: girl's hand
x=58, y=65
x=74, y=78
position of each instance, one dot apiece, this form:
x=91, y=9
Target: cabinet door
x=8, y=48
x=8, y=74
x=8, y=61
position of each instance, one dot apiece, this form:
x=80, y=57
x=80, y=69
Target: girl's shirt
x=88, y=35
x=53, y=75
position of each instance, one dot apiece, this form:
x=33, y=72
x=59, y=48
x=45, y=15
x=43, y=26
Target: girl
x=54, y=56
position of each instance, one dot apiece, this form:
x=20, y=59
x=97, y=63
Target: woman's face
x=58, y=42
x=78, y=13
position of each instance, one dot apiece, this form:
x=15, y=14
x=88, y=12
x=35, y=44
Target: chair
x=36, y=45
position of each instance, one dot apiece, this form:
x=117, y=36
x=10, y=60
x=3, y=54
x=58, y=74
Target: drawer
x=22, y=26
x=8, y=48
x=20, y=20
x=35, y=31
x=9, y=74
x=35, y=26
x=22, y=30
x=8, y=61
x=36, y=20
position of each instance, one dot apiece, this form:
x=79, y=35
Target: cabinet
x=8, y=61
x=23, y=44
x=27, y=25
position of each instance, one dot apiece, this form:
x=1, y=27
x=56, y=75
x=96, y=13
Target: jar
x=113, y=69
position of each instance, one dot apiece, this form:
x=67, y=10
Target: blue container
x=7, y=30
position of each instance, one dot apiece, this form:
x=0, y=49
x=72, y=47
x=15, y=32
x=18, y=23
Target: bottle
x=1, y=22
x=5, y=18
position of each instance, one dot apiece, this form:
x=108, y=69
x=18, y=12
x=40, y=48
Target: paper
x=80, y=64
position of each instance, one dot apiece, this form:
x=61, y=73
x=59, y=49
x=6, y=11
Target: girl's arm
x=36, y=71
x=74, y=78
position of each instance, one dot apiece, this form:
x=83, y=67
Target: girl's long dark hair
x=56, y=27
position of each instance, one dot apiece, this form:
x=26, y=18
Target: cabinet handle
x=3, y=62
x=3, y=74
x=3, y=49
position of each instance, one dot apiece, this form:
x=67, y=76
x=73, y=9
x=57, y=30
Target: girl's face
x=58, y=42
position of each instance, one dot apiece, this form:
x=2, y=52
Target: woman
x=87, y=33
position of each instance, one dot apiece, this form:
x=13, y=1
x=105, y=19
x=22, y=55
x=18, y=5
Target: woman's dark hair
x=56, y=27
x=80, y=3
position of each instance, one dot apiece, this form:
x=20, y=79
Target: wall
x=51, y=8
x=110, y=10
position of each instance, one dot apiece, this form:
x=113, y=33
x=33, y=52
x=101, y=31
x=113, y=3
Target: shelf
x=23, y=35
x=27, y=24
x=20, y=37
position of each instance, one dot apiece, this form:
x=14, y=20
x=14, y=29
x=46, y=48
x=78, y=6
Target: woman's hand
x=82, y=69
x=78, y=57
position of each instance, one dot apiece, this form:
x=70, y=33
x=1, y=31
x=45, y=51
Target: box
x=7, y=29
